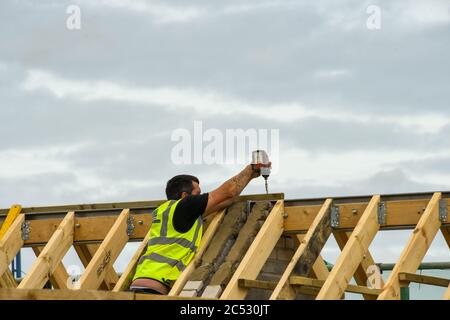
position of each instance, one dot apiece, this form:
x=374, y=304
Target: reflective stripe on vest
x=159, y=258
x=168, y=251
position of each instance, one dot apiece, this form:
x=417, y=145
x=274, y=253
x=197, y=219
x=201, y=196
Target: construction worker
x=176, y=229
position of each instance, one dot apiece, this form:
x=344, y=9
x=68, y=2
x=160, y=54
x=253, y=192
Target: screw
x=354, y=211
x=140, y=222
x=285, y=215
x=77, y=225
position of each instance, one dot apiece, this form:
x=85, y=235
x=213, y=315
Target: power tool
x=260, y=160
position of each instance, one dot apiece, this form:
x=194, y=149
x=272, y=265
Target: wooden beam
x=51, y=255
x=418, y=278
x=258, y=252
x=85, y=252
x=131, y=205
x=320, y=270
x=304, y=281
x=60, y=276
x=416, y=248
x=361, y=273
x=300, y=282
x=7, y=279
x=308, y=251
x=107, y=253
x=446, y=233
x=270, y=285
x=353, y=253
x=447, y=294
x=206, y=239
x=89, y=229
x=11, y=243
x=94, y=228
x=63, y=294
x=402, y=213
x=257, y=284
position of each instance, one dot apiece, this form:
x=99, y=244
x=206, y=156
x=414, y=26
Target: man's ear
x=184, y=194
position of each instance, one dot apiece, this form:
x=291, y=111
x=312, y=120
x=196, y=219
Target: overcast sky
x=87, y=114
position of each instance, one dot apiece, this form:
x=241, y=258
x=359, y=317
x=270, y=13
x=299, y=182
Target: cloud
x=213, y=103
x=425, y=13
x=331, y=74
x=161, y=12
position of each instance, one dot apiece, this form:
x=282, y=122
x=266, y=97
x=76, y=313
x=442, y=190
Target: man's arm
x=228, y=192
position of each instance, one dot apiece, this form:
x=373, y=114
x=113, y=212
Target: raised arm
x=227, y=193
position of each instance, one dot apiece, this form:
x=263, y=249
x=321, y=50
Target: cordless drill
x=260, y=160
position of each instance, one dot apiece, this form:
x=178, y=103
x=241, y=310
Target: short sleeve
x=188, y=210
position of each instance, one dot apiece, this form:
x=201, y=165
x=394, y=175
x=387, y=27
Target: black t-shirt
x=188, y=210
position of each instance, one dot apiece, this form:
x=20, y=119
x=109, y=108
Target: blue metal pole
x=18, y=265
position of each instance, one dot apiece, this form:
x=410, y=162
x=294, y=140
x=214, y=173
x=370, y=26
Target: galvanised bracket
x=334, y=216
x=382, y=213
x=443, y=210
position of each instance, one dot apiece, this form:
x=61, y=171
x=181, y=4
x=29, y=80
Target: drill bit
x=267, y=188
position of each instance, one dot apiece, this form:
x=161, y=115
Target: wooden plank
x=401, y=213
x=106, y=254
x=361, y=273
x=447, y=294
x=299, y=219
x=7, y=279
x=257, y=284
x=85, y=252
x=11, y=243
x=258, y=252
x=446, y=233
x=206, y=239
x=418, y=278
x=139, y=296
x=320, y=270
x=60, y=276
x=416, y=248
x=299, y=282
x=130, y=205
x=63, y=294
x=51, y=255
x=87, y=228
x=308, y=251
x=304, y=281
x=353, y=253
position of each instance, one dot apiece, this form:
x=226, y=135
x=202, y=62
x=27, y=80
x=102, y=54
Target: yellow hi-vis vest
x=168, y=251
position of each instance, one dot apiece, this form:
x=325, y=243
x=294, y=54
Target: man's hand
x=257, y=171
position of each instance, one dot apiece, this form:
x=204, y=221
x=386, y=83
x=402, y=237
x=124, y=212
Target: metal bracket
x=443, y=210
x=334, y=217
x=382, y=213
x=26, y=230
x=130, y=225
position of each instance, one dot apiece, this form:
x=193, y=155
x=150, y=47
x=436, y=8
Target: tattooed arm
x=228, y=192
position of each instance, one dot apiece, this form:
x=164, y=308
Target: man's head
x=181, y=186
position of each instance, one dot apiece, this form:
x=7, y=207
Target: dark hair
x=179, y=184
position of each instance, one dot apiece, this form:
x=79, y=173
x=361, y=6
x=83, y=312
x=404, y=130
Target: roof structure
x=236, y=247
